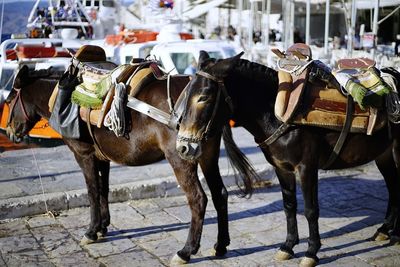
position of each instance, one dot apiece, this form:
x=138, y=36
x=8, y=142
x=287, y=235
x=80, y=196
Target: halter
x=228, y=100
x=13, y=103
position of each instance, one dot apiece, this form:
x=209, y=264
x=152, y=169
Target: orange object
x=35, y=51
x=186, y=36
x=232, y=123
x=11, y=54
x=40, y=130
x=62, y=54
x=132, y=36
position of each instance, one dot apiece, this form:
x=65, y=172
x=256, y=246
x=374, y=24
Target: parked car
x=178, y=56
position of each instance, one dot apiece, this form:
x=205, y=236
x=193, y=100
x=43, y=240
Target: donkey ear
x=203, y=56
x=21, y=76
x=23, y=71
x=222, y=67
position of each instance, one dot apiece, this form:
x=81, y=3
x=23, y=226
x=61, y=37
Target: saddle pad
x=91, y=93
x=289, y=94
x=326, y=107
x=355, y=63
x=94, y=115
x=139, y=80
x=365, y=86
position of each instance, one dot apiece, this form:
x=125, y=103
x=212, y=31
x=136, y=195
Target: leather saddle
x=100, y=77
x=293, y=74
x=317, y=102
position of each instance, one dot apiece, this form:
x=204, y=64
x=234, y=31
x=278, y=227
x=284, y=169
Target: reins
x=13, y=103
x=227, y=99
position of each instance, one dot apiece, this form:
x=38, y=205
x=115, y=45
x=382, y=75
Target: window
x=215, y=54
x=7, y=79
x=108, y=3
x=229, y=52
x=145, y=51
x=182, y=61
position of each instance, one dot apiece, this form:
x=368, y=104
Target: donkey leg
x=186, y=174
x=309, y=186
x=395, y=195
x=209, y=166
x=85, y=156
x=104, y=174
x=387, y=166
x=287, y=181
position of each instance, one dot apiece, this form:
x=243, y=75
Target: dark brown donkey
x=251, y=89
x=148, y=141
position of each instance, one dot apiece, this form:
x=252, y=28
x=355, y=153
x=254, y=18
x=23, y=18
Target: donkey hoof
x=380, y=237
x=86, y=241
x=282, y=255
x=218, y=253
x=102, y=233
x=394, y=241
x=176, y=260
x=308, y=262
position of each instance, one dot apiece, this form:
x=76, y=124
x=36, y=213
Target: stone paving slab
x=149, y=232
x=64, y=186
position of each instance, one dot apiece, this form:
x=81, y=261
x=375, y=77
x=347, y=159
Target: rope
x=115, y=118
x=169, y=99
x=48, y=212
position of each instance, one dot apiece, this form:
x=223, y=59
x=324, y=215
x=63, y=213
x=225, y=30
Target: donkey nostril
x=183, y=149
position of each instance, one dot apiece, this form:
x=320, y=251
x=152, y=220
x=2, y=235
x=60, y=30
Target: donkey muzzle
x=188, y=150
x=12, y=136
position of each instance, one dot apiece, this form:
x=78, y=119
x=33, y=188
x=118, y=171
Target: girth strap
x=99, y=153
x=343, y=133
x=281, y=129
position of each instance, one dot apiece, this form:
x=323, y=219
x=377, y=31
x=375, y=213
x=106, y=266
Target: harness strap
x=343, y=133
x=100, y=153
x=16, y=99
x=281, y=129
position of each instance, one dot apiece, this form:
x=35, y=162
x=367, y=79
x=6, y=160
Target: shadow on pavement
x=340, y=197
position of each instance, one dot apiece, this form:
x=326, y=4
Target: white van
x=178, y=56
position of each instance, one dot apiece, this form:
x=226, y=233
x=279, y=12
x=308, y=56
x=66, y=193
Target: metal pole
x=375, y=27
x=32, y=14
x=250, y=29
x=291, y=39
x=308, y=7
x=267, y=26
x=327, y=11
x=239, y=23
x=351, y=29
x=1, y=23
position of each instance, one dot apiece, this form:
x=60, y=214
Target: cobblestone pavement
x=149, y=232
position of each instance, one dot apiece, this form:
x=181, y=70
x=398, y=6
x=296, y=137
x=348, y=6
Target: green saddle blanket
x=365, y=86
x=96, y=82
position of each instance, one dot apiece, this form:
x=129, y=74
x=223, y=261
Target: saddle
x=362, y=81
x=293, y=74
x=310, y=95
x=96, y=92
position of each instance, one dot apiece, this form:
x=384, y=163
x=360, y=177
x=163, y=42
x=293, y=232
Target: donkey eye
x=202, y=98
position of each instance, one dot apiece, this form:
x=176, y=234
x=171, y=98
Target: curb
x=160, y=187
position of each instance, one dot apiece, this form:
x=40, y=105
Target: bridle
x=221, y=86
x=14, y=101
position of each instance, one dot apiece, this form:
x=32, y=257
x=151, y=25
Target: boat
x=52, y=30
x=36, y=54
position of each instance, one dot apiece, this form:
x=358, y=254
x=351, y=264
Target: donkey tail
x=240, y=163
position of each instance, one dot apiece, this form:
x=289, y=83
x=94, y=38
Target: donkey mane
x=45, y=73
x=256, y=72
